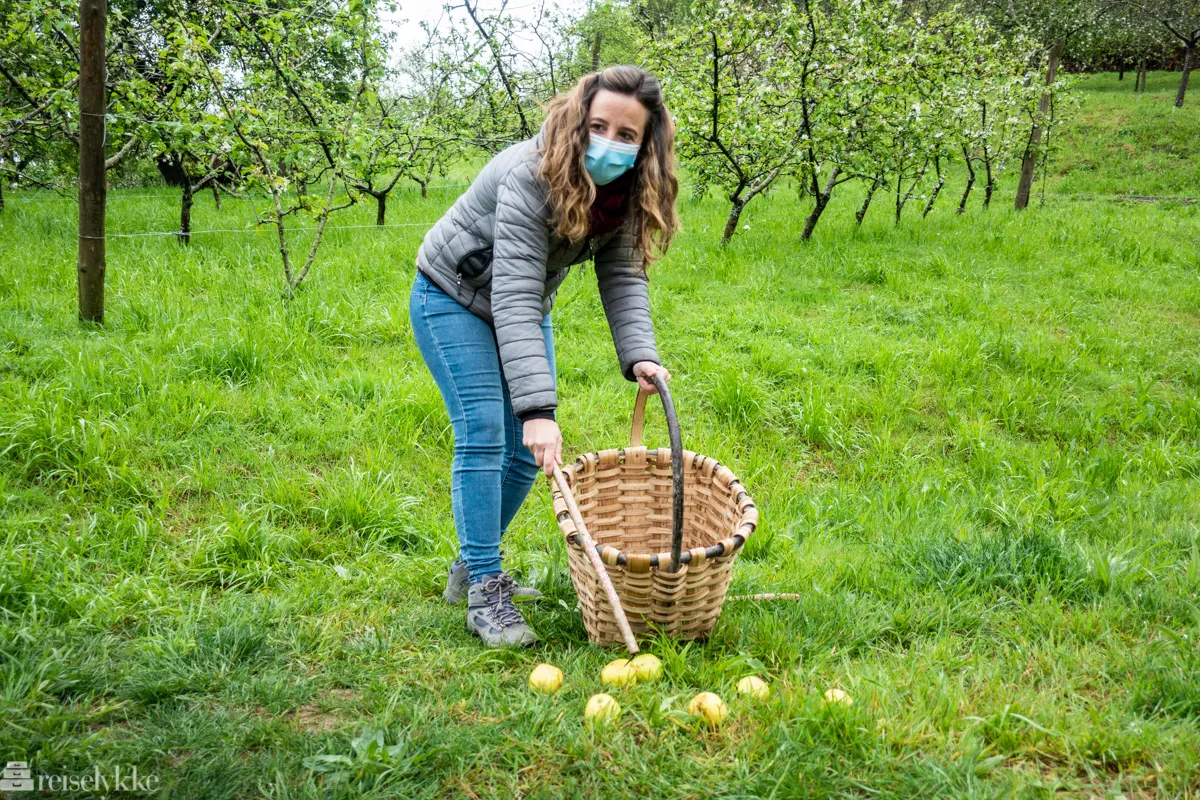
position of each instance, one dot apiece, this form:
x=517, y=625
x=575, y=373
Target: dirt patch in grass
x=1064, y=782
x=329, y=714
x=818, y=468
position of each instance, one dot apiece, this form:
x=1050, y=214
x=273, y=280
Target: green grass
x=1125, y=143
x=974, y=440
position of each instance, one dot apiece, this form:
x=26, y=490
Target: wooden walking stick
x=589, y=547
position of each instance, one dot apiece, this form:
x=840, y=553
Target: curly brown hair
x=654, y=188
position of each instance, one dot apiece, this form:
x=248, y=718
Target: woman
x=597, y=182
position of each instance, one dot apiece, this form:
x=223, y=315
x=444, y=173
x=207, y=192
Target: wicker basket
x=668, y=524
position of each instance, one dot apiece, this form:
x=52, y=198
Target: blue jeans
x=492, y=472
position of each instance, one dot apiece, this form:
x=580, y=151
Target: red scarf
x=608, y=210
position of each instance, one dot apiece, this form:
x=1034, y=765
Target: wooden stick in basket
x=589, y=547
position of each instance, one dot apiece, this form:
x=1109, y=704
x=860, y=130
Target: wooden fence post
x=93, y=20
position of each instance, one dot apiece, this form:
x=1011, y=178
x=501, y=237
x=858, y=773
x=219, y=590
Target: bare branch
x=119, y=156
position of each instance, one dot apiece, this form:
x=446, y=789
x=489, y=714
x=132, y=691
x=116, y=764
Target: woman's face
x=616, y=116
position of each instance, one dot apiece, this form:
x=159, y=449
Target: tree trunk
x=937, y=189
x=1189, y=51
x=93, y=18
x=866, y=203
x=822, y=200
x=990, y=186
x=185, y=212
x=381, y=208
x=962, y=204
x=1121, y=72
x=596, y=51
x=902, y=197
x=735, y=214
x=428, y=177
x=1, y=194
x=811, y=221
x=1139, y=82
x=1029, y=162
x=216, y=195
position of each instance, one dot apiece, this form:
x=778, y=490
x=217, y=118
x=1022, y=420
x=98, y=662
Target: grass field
x=974, y=441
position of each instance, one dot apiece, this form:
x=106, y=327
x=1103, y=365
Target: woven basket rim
x=726, y=548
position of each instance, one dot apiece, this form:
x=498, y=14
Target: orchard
x=934, y=301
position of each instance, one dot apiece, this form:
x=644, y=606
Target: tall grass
x=974, y=441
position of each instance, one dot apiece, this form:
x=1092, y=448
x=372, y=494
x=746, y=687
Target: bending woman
x=597, y=182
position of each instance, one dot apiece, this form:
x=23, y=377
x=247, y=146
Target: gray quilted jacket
x=494, y=252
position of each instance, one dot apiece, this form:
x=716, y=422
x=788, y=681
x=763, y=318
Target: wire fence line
x=259, y=228
x=260, y=231
x=428, y=137
x=166, y=194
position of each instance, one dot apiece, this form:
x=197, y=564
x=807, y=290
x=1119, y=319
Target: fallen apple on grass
x=646, y=668
x=618, y=673
x=710, y=707
x=754, y=687
x=546, y=678
x=601, y=708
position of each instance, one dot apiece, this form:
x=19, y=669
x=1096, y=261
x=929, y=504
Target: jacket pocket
x=475, y=268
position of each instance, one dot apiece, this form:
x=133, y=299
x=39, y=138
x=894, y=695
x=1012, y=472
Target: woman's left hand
x=645, y=370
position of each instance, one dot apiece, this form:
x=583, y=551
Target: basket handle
x=589, y=547
x=635, y=439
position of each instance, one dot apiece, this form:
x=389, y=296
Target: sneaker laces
x=499, y=588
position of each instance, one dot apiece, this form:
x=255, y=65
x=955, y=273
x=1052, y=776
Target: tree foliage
x=309, y=103
x=839, y=91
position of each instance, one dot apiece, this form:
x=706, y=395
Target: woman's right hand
x=544, y=440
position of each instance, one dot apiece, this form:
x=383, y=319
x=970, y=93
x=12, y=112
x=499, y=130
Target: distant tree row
x=311, y=103
x=836, y=92
x=305, y=102
x=1137, y=36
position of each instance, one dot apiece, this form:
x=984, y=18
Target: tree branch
x=119, y=156
x=526, y=131
x=270, y=55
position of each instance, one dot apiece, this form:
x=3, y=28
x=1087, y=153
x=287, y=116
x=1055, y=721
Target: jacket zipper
x=587, y=245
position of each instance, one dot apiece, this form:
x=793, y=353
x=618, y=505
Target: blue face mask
x=607, y=160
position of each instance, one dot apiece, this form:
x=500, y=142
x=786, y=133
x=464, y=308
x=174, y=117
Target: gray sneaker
x=457, y=581
x=492, y=616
